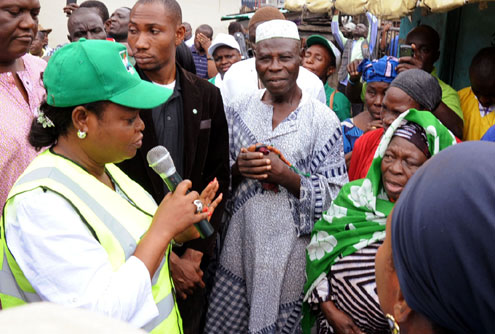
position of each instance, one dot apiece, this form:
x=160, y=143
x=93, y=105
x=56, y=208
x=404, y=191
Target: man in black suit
x=191, y=125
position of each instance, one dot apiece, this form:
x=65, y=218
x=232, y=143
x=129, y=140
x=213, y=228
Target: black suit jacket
x=206, y=147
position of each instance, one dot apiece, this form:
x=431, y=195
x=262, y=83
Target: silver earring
x=81, y=134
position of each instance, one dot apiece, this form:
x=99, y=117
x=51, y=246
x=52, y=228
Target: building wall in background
x=195, y=12
x=463, y=32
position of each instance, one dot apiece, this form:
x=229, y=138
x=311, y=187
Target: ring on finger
x=199, y=206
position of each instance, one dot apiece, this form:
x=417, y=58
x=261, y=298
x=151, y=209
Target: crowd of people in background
x=340, y=193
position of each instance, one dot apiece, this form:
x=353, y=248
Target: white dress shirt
x=190, y=42
x=66, y=265
x=242, y=78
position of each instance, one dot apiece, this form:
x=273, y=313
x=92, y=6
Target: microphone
x=161, y=162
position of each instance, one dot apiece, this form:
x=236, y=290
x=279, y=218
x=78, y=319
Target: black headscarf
x=414, y=134
x=421, y=86
x=443, y=239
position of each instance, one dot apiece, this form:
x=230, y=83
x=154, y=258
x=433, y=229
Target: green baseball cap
x=319, y=39
x=97, y=70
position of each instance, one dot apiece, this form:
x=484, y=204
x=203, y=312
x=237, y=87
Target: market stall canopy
x=385, y=9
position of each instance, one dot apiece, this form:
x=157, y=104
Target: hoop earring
x=81, y=134
x=394, y=326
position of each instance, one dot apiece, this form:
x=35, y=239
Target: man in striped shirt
x=202, y=41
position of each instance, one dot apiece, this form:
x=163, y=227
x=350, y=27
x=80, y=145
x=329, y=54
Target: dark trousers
x=193, y=312
x=193, y=309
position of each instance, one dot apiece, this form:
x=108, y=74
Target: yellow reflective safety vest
x=117, y=223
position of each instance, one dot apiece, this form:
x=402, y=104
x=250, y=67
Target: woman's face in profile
x=400, y=161
x=115, y=135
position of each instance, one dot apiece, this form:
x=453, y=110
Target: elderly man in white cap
x=287, y=165
x=225, y=51
x=323, y=58
x=242, y=76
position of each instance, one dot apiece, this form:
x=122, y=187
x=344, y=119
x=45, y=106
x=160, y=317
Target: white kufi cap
x=277, y=29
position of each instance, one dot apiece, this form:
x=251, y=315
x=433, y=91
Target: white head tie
x=277, y=29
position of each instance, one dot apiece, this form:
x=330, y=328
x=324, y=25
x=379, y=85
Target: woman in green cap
x=340, y=257
x=76, y=230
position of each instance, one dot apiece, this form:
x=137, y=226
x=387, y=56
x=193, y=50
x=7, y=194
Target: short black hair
x=171, y=5
x=208, y=30
x=483, y=64
x=102, y=9
x=234, y=27
x=430, y=32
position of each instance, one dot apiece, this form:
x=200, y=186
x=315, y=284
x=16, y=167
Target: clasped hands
x=258, y=166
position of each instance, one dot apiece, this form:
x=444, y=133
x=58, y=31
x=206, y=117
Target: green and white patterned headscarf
x=357, y=216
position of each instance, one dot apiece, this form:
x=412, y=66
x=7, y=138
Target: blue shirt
x=201, y=63
x=489, y=135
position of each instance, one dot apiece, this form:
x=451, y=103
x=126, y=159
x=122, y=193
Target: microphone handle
x=204, y=227
x=172, y=181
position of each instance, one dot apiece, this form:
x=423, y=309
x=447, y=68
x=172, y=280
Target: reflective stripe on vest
x=93, y=211
x=120, y=233
x=8, y=285
x=165, y=307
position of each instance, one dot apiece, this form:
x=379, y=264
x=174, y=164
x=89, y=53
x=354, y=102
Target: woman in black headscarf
x=435, y=271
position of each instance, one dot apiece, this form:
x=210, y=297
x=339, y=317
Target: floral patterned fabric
x=356, y=218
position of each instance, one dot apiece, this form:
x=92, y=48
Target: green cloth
x=363, y=92
x=212, y=80
x=341, y=105
x=449, y=96
x=357, y=216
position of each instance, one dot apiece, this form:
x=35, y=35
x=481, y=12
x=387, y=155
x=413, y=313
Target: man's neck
x=121, y=38
x=283, y=105
x=163, y=76
x=15, y=65
x=68, y=147
x=291, y=98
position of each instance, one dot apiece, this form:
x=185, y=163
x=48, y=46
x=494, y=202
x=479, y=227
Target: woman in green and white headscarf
x=340, y=256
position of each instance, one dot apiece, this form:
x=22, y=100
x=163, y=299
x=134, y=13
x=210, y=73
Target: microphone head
x=160, y=161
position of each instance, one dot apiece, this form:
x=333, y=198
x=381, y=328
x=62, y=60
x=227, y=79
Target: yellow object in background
x=294, y=5
x=391, y=9
x=354, y=7
x=319, y=6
